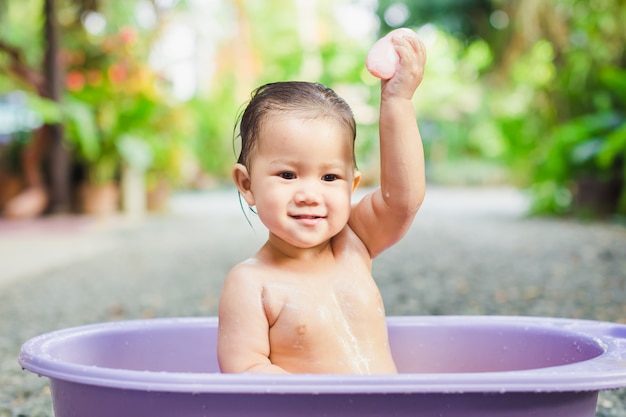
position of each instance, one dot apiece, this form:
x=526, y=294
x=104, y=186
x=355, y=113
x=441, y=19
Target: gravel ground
x=470, y=251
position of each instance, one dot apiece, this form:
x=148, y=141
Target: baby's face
x=302, y=178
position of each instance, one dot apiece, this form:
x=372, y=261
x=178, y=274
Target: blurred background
x=120, y=109
x=111, y=106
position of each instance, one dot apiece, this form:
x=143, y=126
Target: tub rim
x=605, y=371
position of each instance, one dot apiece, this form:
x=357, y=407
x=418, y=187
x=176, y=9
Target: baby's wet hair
x=296, y=98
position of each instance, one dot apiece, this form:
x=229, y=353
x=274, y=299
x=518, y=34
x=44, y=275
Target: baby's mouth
x=307, y=219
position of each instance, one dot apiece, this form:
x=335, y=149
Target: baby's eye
x=330, y=177
x=287, y=175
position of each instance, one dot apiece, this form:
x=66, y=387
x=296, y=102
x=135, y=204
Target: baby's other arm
x=381, y=218
x=243, y=342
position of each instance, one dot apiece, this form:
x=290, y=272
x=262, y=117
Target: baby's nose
x=307, y=194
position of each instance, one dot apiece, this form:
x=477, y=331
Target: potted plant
x=612, y=154
x=104, y=153
x=114, y=110
x=584, y=169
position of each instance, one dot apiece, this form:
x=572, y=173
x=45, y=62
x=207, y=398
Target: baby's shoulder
x=245, y=269
x=250, y=272
x=242, y=282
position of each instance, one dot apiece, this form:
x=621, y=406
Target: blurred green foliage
x=547, y=105
x=116, y=110
x=582, y=161
x=272, y=45
x=526, y=93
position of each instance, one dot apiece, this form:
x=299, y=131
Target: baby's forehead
x=295, y=131
x=283, y=125
x=305, y=116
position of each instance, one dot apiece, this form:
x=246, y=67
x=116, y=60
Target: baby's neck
x=280, y=251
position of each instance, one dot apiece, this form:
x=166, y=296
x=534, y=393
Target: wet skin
x=306, y=302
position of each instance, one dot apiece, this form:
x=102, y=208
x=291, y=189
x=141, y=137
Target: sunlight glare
x=94, y=22
x=396, y=14
x=357, y=18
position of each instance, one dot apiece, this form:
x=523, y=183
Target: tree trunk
x=58, y=156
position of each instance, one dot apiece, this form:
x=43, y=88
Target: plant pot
x=10, y=186
x=158, y=196
x=99, y=199
x=596, y=197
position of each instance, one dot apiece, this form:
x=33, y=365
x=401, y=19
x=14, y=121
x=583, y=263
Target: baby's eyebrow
x=334, y=165
x=281, y=162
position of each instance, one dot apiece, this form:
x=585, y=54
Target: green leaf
x=48, y=110
x=585, y=127
x=614, y=146
x=83, y=129
x=615, y=80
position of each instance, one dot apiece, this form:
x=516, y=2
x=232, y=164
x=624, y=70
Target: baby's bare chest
x=311, y=313
x=347, y=290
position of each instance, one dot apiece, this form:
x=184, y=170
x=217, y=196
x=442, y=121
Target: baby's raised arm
x=381, y=218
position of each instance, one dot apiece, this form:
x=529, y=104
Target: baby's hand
x=398, y=59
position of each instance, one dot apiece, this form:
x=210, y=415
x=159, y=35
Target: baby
x=306, y=302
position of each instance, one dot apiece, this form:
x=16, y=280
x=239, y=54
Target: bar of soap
x=382, y=59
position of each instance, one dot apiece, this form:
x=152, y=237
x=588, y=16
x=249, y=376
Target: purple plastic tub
x=449, y=366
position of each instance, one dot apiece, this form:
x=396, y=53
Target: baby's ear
x=356, y=180
x=241, y=176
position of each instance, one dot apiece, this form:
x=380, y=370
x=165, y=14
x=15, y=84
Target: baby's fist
x=382, y=59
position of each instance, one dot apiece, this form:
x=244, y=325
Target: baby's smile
x=307, y=219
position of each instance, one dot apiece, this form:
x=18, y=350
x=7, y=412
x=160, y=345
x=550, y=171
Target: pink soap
x=382, y=59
